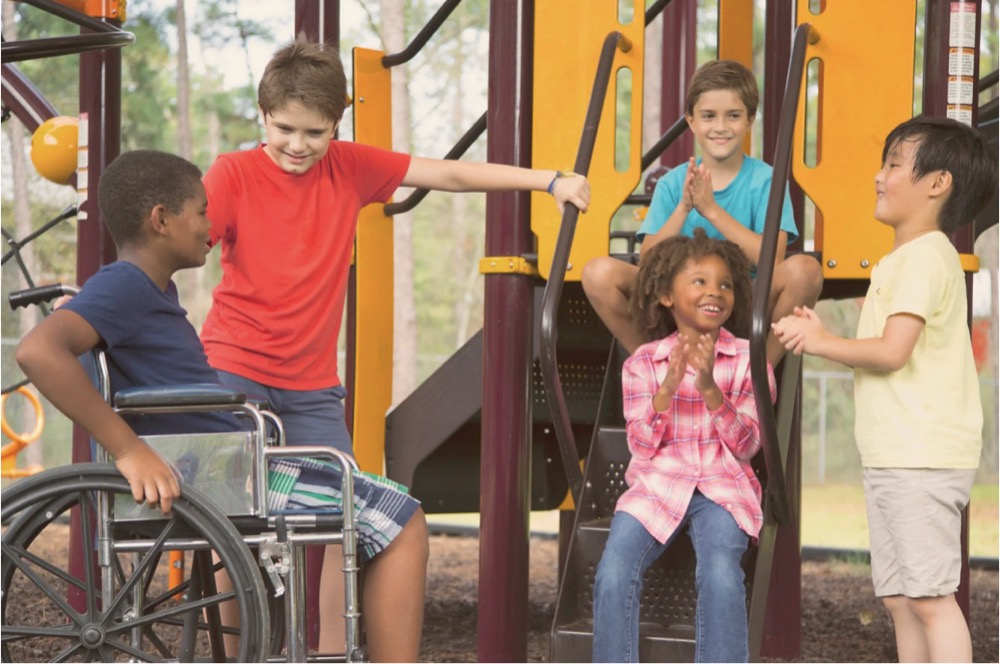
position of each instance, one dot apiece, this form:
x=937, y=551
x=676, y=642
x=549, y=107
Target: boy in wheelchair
x=155, y=207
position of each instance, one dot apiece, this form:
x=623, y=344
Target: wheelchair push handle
x=39, y=295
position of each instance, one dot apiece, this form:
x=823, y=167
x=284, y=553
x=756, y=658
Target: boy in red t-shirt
x=285, y=215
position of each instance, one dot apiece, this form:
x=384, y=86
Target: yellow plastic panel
x=866, y=89
x=568, y=42
x=736, y=38
x=374, y=274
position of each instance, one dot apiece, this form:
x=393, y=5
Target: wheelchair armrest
x=203, y=394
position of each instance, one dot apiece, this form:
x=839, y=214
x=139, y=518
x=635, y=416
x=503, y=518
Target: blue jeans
x=310, y=417
x=721, y=614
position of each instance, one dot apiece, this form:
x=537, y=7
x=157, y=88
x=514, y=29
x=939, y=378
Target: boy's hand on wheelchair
x=152, y=479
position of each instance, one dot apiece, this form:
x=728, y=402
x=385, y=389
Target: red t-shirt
x=286, y=251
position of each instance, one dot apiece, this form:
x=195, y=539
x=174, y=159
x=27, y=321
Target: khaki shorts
x=914, y=524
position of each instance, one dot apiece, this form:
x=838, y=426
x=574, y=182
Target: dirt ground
x=841, y=622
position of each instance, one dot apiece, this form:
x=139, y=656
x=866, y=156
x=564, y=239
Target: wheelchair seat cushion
x=382, y=506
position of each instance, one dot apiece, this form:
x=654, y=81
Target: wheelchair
x=118, y=605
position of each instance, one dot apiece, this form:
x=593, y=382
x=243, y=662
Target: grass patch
x=833, y=515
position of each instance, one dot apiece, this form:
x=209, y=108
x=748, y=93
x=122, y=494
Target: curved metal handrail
x=548, y=334
x=676, y=130
x=988, y=81
x=422, y=37
x=654, y=10
x=463, y=144
x=49, y=47
x=105, y=35
x=760, y=326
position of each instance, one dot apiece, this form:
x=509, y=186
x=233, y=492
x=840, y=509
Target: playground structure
x=548, y=397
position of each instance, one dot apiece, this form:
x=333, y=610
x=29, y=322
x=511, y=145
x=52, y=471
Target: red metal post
x=505, y=468
x=937, y=41
x=783, y=622
x=680, y=24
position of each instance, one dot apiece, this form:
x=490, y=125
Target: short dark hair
x=724, y=75
x=656, y=277
x=943, y=144
x=136, y=182
x=308, y=73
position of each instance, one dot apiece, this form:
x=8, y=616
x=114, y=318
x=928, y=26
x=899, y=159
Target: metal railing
x=553, y=288
x=760, y=326
x=103, y=35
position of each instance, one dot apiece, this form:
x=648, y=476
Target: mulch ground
x=841, y=619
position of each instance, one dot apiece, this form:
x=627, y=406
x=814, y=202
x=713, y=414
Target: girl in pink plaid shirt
x=692, y=430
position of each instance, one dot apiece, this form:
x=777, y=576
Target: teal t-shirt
x=744, y=199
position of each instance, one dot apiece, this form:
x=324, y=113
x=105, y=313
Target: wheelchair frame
x=196, y=524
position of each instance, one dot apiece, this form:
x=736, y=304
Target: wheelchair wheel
x=50, y=615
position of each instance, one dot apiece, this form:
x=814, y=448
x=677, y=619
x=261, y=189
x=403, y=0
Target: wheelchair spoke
x=42, y=585
x=160, y=616
x=13, y=633
x=65, y=655
x=144, y=567
x=46, y=566
x=172, y=593
x=154, y=639
x=141, y=655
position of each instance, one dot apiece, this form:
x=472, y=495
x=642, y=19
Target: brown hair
x=308, y=73
x=656, y=278
x=724, y=75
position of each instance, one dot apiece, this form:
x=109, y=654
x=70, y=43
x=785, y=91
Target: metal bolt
x=864, y=262
x=361, y=100
x=831, y=263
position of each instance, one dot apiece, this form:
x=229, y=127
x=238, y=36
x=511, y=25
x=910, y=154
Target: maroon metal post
x=319, y=20
x=783, y=622
x=937, y=36
x=680, y=23
x=100, y=100
x=505, y=468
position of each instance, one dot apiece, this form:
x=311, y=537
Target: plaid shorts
x=382, y=506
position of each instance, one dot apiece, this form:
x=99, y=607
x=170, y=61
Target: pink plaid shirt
x=687, y=446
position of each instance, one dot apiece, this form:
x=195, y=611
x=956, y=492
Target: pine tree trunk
x=190, y=283
x=405, y=313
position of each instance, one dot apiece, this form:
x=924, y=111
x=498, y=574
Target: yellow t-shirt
x=928, y=414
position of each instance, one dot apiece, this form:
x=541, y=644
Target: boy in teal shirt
x=725, y=193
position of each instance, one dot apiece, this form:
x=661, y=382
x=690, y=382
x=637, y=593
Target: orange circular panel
x=53, y=148
x=23, y=438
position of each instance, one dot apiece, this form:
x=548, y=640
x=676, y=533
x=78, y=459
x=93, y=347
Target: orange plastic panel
x=109, y=9
x=736, y=38
x=866, y=89
x=568, y=43
x=373, y=271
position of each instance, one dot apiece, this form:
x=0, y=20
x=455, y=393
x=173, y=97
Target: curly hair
x=656, y=277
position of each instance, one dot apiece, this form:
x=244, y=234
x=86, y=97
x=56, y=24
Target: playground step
x=574, y=642
x=667, y=607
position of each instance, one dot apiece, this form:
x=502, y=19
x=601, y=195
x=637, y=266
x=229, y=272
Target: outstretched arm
x=458, y=176
x=48, y=355
x=803, y=332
